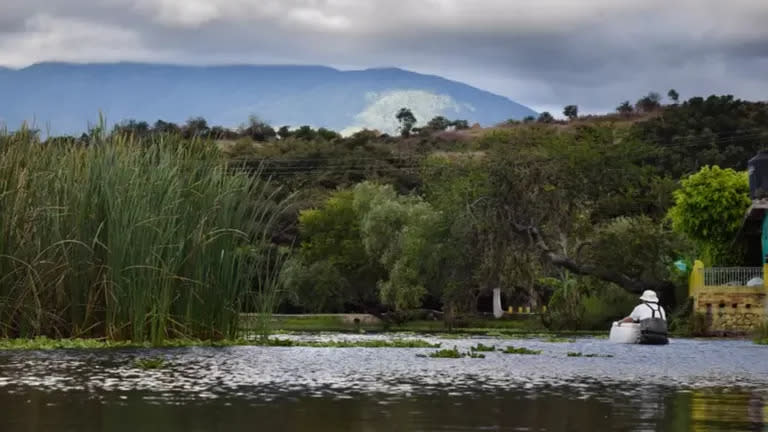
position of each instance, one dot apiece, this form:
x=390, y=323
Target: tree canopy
x=710, y=207
x=571, y=111
x=407, y=121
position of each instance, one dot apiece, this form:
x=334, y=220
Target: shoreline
x=403, y=335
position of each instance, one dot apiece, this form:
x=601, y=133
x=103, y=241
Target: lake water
x=689, y=385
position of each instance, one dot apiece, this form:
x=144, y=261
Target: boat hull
x=626, y=333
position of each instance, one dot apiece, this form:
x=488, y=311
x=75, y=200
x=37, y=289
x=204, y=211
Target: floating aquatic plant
x=521, y=350
x=149, y=363
x=483, y=348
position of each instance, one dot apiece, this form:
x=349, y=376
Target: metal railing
x=733, y=276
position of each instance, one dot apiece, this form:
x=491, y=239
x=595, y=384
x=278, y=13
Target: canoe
x=626, y=333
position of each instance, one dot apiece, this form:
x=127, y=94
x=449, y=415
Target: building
x=734, y=298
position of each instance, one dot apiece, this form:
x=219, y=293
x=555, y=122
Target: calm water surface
x=689, y=385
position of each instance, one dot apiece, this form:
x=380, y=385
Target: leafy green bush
x=606, y=304
x=587, y=304
x=565, y=309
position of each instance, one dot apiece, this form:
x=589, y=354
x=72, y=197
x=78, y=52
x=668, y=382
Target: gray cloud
x=595, y=53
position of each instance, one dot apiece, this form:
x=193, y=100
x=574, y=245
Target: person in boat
x=652, y=319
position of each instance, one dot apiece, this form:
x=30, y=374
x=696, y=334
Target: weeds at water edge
x=453, y=353
x=483, y=348
x=521, y=350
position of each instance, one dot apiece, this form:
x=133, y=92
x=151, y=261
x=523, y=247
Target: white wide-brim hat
x=650, y=297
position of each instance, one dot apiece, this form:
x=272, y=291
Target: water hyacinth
x=130, y=239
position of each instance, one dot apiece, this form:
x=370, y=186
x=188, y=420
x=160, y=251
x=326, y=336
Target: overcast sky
x=542, y=53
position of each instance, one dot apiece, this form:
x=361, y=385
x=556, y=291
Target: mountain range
x=64, y=98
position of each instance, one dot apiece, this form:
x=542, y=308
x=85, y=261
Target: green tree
x=709, y=208
x=196, y=127
x=138, y=129
x=469, y=269
x=549, y=191
x=366, y=246
x=402, y=233
x=717, y=130
x=332, y=252
x=673, y=95
x=438, y=124
x=545, y=117
x=222, y=133
x=328, y=135
x=649, y=103
x=407, y=121
x=305, y=133
x=163, y=127
x=642, y=247
x=571, y=111
x=625, y=108
x=284, y=132
x=258, y=130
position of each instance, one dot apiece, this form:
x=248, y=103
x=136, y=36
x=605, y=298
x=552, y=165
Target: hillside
x=63, y=98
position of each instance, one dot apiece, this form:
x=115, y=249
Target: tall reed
x=130, y=239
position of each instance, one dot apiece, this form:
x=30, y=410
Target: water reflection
x=720, y=411
x=500, y=411
x=692, y=386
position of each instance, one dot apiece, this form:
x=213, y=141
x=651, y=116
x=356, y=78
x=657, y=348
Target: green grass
x=335, y=323
x=521, y=350
x=126, y=239
x=149, y=363
x=314, y=323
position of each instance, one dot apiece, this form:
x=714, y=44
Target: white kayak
x=626, y=333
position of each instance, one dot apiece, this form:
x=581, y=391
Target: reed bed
x=131, y=239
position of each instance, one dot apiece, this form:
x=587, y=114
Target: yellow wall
x=718, y=302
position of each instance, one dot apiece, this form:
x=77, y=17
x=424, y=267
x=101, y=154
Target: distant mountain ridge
x=65, y=97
